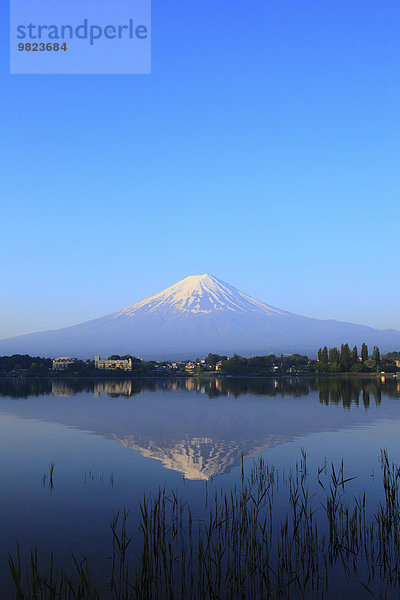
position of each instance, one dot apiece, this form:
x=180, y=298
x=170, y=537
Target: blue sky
x=263, y=148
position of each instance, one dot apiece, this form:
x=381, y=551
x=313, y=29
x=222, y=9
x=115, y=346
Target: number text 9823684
x=42, y=47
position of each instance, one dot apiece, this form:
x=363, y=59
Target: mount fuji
x=198, y=315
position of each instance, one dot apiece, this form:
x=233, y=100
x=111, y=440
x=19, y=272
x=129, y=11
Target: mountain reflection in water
x=200, y=427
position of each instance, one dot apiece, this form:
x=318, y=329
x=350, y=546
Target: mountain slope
x=197, y=315
x=198, y=294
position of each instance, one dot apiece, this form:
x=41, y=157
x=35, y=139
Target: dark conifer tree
x=354, y=356
x=345, y=357
x=320, y=354
x=334, y=356
x=364, y=352
x=376, y=355
x=324, y=356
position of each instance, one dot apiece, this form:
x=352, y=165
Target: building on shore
x=120, y=364
x=63, y=362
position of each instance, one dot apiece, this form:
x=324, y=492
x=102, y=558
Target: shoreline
x=214, y=375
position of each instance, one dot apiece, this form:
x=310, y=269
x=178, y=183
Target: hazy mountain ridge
x=198, y=315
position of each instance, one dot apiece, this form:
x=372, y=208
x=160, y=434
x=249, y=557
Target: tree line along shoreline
x=329, y=361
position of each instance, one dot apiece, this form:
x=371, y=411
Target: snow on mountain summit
x=199, y=294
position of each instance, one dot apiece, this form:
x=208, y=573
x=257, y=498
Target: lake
x=74, y=451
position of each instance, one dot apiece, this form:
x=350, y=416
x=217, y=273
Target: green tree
x=370, y=364
x=376, y=355
x=334, y=356
x=345, y=357
x=324, y=355
x=364, y=352
x=354, y=356
x=212, y=359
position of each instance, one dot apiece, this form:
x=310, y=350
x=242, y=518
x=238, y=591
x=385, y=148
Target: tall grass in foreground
x=49, y=477
x=321, y=543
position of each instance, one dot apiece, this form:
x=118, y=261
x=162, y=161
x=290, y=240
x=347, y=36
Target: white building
x=122, y=364
x=63, y=362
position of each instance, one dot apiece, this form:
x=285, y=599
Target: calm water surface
x=112, y=441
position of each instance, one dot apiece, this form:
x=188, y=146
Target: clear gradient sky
x=264, y=149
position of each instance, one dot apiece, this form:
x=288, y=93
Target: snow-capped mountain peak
x=199, y=294
x=198, y=315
